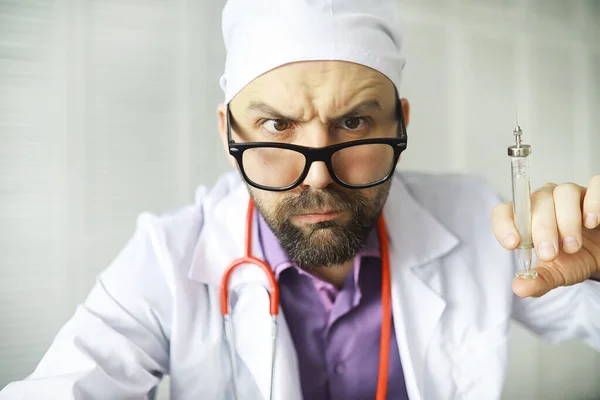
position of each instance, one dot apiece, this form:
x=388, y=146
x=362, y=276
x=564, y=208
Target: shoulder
x=450, y=188
x=463, y=203
x=459, y=201
x=161, y=248
x=149, y=275
x=172, y=235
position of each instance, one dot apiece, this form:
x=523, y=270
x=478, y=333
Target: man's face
x=316, y=104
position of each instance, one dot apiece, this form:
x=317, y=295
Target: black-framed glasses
x=357, y=164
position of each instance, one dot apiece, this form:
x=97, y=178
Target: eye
x=353, y=123
x=276, y=125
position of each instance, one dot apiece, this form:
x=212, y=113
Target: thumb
x=537, y=287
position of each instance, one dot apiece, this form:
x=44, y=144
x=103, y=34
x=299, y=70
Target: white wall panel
x=426, y=87
x=490, y=105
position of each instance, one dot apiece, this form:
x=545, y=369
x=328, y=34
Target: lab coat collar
x=417, y=241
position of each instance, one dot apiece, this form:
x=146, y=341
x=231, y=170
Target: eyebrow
x=263, y=108
x=360, y=109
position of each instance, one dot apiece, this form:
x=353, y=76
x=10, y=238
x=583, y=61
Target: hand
x=566, y=235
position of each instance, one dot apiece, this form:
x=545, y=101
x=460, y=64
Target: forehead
x=325, y=86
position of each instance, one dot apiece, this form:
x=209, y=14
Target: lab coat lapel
x=222, y=241
x=417, y=242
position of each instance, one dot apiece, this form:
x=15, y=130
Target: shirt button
x=340, y=368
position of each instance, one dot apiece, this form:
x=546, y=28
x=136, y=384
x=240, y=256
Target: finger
x=591, y=204
x=567, y=207
x=543, y=223
x=546, y=281
x=570, y=270
x=504, y=227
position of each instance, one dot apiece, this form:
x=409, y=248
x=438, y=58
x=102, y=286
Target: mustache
x=329, y=199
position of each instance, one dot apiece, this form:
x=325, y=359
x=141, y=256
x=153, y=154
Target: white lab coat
x=155, y=310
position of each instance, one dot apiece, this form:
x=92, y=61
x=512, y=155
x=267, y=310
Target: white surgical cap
x=261, y=35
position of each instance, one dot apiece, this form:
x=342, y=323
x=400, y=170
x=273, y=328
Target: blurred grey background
x=108, y=108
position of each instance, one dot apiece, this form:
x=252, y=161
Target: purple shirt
x=335, y=332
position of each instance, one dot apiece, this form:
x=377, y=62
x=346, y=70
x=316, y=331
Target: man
x=313, y=122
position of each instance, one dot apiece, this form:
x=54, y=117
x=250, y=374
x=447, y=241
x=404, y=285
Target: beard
x=325, y=243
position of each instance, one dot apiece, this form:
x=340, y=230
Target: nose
x=318, y=176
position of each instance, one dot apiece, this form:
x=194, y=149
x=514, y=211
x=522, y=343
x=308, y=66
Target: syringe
x=521, y=191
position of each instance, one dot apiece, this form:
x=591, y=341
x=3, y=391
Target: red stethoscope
x=248, y=258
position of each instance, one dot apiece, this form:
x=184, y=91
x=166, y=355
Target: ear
x=222, y=118
x=405, y=111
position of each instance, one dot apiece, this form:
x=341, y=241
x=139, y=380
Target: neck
x=336, y=274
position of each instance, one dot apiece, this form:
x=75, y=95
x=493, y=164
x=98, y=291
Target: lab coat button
x=340, y=368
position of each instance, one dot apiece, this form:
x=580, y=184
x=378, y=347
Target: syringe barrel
x=522, y=199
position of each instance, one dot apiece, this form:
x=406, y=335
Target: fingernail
x=510, y=240
x=570, y=244
x=591, y=220
x=546, y=250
